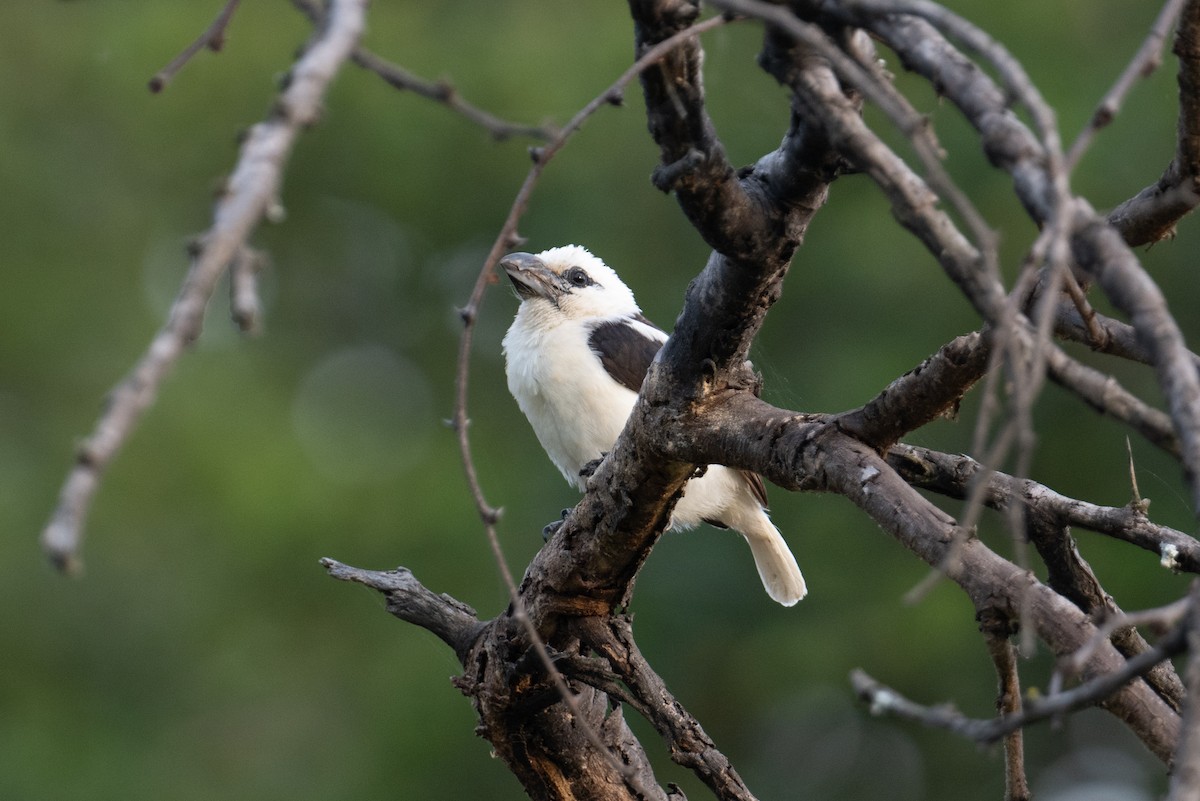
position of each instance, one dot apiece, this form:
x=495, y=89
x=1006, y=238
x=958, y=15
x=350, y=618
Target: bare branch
x=955, y=475
x=249, y=192
x=440, y=91
x=687, y=742
x=805, y=453
x=932, y=389
x=244, y=304
x=1102, y=252
x=1106, y=395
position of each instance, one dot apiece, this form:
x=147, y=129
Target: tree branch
x=805, y=453
x=997, y=630
x=1147, y=59
x=249, y=193
x=439, y=91
x=1096, y=691
x=932, y=389
x=451, y=620
x=955, y=475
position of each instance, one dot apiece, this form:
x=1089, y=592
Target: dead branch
x=249, y=193
x=955, y=475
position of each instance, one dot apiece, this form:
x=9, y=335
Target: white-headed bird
x=575, y=357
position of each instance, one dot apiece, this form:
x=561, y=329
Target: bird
x=575, y=357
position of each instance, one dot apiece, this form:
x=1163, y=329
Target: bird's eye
x=578, y=277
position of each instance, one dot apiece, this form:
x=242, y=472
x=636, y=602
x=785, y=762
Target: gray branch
x=249, y=195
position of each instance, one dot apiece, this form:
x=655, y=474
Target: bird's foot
x=550, y=529
x=588, y=469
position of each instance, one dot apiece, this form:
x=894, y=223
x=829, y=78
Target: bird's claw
x=588, y=469
x=550, y=529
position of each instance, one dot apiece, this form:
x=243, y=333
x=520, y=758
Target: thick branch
x=930, y=390
x=687, y=742
x=798, y=452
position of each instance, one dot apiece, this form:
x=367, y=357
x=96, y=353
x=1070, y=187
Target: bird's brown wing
x=625, y=351
x=756, y=486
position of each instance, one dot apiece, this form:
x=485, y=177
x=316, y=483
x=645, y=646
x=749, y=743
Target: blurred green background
x=206, y=655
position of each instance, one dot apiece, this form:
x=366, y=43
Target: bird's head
x=568, y=283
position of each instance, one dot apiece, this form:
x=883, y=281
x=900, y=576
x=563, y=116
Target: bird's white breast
x=576, y=409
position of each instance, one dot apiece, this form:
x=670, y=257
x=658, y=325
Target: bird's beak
x=530, y=276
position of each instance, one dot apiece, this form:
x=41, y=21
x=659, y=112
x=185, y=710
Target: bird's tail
x=776, y=566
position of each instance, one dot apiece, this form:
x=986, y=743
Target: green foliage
x=205, y=654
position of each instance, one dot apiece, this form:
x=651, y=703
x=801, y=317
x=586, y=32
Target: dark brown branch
x=805, y=453
x=213, y=38
x=548, y=743
x=1151, y=215
x=687, y=742
x=997, y=630
x=930, y=390
x=560, y=750
x=249, y=192
x=1071, y=576
x=693, y=160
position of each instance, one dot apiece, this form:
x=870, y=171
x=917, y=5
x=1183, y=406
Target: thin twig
x=440, y=91
x=1185, y=778
x=213, y=38
x=997, y=629
x=249, y=192
x=883, y=699
x=1145, y=61
x=1162, y=618
x=1151, y=215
